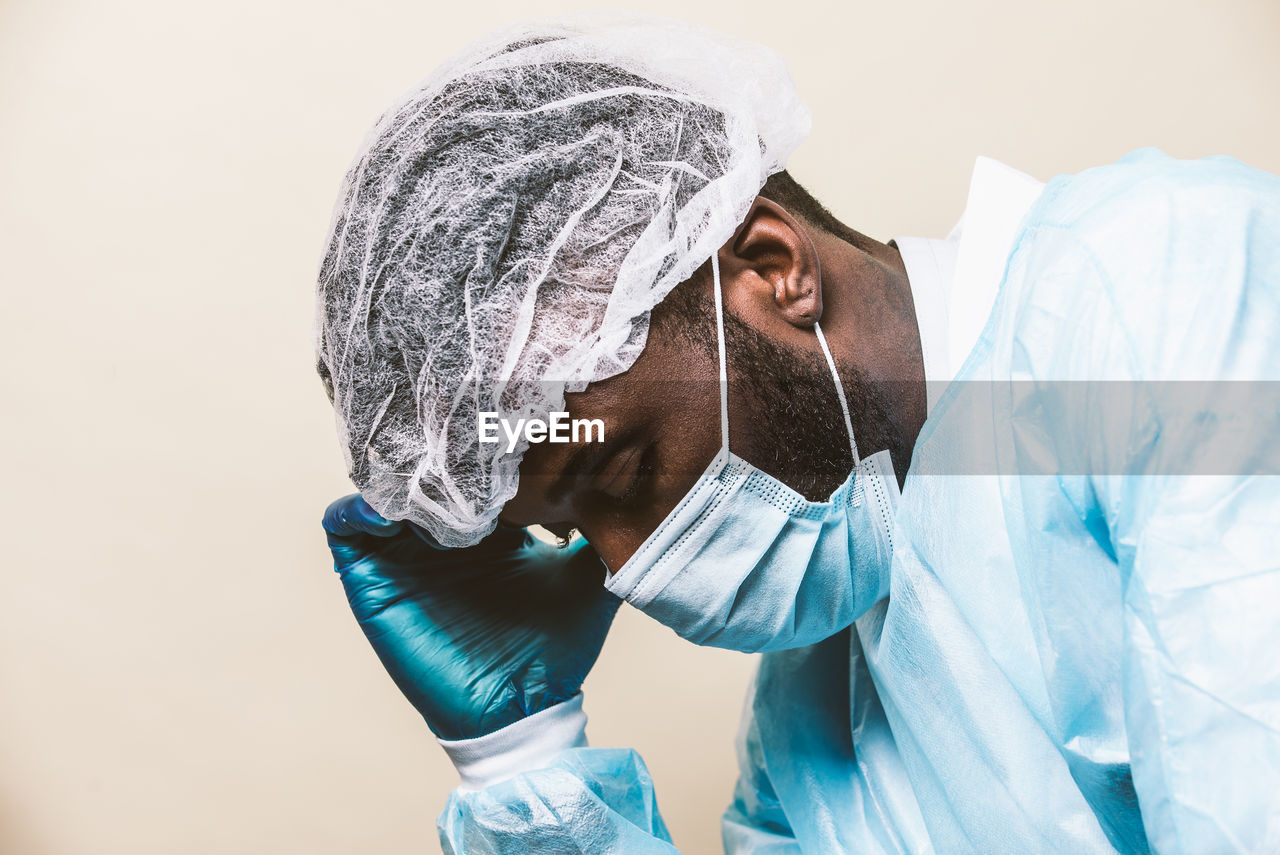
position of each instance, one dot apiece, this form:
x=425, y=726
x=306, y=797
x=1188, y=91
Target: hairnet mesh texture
x=505, y=229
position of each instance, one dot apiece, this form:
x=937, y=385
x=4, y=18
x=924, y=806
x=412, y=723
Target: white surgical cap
x=507, y=226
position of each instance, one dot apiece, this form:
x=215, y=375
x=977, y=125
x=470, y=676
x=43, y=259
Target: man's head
x=503, y=239
x=779, y=274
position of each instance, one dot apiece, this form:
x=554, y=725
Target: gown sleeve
x=535, y=786
x=587, y=800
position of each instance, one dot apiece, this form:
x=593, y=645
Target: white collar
x=954, y=281
x=931, y=267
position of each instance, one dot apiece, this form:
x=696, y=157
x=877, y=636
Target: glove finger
x=346, y=550
x=352, y=515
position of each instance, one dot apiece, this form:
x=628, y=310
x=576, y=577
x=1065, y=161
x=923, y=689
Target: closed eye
x=638, y=487
x=616, y=475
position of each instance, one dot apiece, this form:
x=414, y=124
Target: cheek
x=672, y=396
x=617, y=532
x=685, y=449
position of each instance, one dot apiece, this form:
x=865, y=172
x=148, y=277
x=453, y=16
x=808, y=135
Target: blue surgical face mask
x=747, y=563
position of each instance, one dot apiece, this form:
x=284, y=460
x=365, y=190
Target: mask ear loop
x=844, y=404
x=724, y=371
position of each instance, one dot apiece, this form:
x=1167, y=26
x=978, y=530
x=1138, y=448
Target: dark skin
x=780, y=275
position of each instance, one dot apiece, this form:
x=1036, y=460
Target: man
x=987, y=503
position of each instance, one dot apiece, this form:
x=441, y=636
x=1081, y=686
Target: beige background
x=178, y=671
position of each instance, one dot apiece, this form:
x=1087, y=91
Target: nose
x=615, y=544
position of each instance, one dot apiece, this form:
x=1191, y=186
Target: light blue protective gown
x=1080, y=651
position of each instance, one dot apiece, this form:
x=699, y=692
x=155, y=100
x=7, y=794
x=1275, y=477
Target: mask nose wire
x=724, y=372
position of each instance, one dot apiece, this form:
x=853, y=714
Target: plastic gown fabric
x=1072, y=658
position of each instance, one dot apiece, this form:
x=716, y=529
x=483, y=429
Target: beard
x=798, y=432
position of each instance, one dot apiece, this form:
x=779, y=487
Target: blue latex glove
x=476, y=638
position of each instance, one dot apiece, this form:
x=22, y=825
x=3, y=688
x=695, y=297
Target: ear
x=772, y=255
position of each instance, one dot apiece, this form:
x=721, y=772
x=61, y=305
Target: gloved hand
x=476, y=638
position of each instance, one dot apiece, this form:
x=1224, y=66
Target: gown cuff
x=523, y=746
